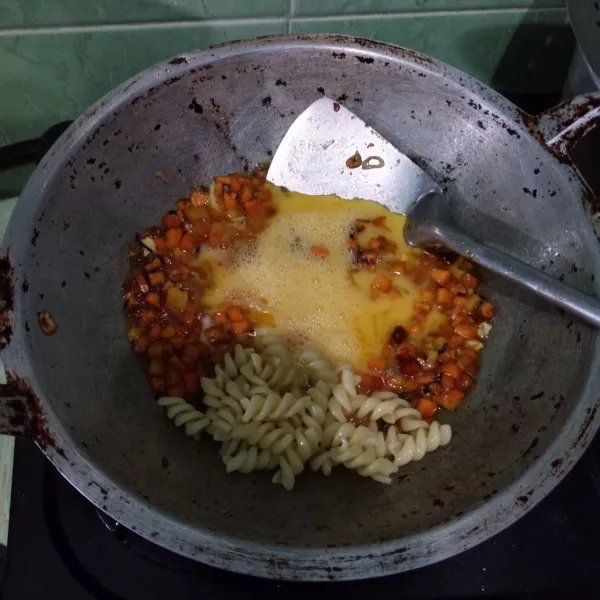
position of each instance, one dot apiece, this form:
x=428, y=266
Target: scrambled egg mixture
x=320, y=299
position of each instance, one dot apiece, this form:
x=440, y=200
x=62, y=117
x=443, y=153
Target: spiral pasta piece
x=273, y=407
x=183, y=413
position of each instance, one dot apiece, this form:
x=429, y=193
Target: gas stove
x=60, y=545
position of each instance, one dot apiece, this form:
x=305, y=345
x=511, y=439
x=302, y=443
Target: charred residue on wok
x=29, y=416
x=7, y=300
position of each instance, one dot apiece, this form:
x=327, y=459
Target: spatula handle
x=580, y=304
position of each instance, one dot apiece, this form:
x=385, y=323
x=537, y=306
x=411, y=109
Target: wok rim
x=243, y=556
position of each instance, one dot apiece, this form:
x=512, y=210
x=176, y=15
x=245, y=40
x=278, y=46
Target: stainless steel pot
x=83, y=396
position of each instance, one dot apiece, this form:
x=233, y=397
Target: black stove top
x=60, y=546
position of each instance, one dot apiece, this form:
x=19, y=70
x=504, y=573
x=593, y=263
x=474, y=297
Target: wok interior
x=228, y=118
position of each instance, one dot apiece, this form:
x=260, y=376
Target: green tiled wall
x=59, y=56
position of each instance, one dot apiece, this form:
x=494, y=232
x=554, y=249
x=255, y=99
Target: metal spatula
x=329, y=150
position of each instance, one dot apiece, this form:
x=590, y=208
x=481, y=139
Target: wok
x=82, y=394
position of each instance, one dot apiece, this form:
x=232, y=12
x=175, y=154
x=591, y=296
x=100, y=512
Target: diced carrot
x=199, y=198
x=154, y=265
x=366, y=383
x=156, y=278
x=426, y=407
x=157, y=384
x=240, y=326
x=215, y=238
x=156, y=367
x=148, y=314
x=448, y=382
x=223, y=180
x=153, y=299
x=487, y=310
x=380, y=222
x=460, y=303
x=455, y=341
x=469, y=281
x=229, y=201
x=190, y=355
x=442, y=276
x=160, y=244
x=182, y=204
x=469, y=332
x=155, y=350
x=178, y=343
x=186, y=243
x=382, y=282
x=220, y=318
x=173, y=237
x=246, y=194
x=155, y=331
x=142, y=283
x=451, y=369
x=191, y=382
x=235, y=313
x=426, y=378
x=171, y=221
x=352, y=244
x=411, y=385
x=472, y=368
x=446, y=356
x=319, y=251
x=443, y=296
x=235, y=184
x=177, y=299
x=377, y=364
x=218, y=189
x=141, y=345
x=375, y=243
x=427, y=296
x=451, y=399
x=464, y=382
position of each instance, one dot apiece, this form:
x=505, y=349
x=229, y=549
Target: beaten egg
x=324, y=300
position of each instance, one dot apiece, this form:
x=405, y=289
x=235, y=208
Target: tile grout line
x=291, y=13
x=151, y=25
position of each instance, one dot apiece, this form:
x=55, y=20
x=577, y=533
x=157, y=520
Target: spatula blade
x=312, y=159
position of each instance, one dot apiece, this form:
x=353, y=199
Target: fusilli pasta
x=278, y=409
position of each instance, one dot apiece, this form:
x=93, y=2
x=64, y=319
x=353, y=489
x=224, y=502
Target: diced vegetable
x=177, y=299
x=377, y=364
x=441, y=276
x=319, y=251
x=173, y=237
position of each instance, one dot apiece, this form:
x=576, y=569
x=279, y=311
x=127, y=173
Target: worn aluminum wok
x=83, y=396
